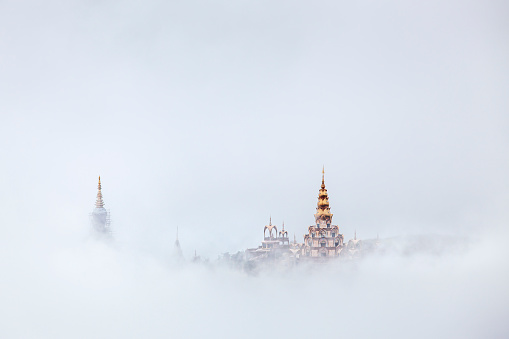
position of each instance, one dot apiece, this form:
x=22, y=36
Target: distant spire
x=294, y=239
x=355, y=235
x=323, y=176
x=177, y=250
x=283, y=226
x=99, y=203
x=270, y=220
x=177, y=242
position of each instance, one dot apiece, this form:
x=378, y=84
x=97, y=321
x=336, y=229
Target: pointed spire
x=355, y=235
x=177, y=242
x=323, y=210
x=177, y=251
x=294, y=239
x=99, y=203
x=283, y=226
x=323, y=176
x=270, y=220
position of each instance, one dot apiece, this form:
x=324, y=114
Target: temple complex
x=100, y=217
x=323, y=239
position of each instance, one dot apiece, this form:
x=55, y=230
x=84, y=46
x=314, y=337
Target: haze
x=215, y=116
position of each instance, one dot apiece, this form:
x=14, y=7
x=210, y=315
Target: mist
x=95, y=289
x=215, y=116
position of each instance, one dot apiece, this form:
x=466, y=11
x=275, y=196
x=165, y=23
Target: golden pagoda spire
x=323, y=210
x=99, y=203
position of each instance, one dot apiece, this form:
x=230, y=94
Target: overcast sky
x=215, y=115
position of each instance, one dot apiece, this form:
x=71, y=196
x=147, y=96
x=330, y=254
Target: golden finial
x=323, y=175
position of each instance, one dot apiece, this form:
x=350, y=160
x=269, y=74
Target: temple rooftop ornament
x=270, y=227
x=283, y=233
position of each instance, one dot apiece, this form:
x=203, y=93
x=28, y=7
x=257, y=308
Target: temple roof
x=270, y=227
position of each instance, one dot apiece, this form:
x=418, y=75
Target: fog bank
x=92, y=289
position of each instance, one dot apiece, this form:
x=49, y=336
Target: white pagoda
x=100, y=217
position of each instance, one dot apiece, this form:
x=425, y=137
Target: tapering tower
x=270, y=239
x=99, y=203
x=177, y=250
x=323, y=214
x=323, y=239
x=283, y=236
x=100, y=216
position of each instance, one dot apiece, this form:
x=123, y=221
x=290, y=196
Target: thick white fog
x=214, y=116
x=89, y=289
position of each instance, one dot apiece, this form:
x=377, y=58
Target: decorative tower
x=323, y=239
x=323, y=214
x=270, y=239
x=283, y=236
x=100, y=217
